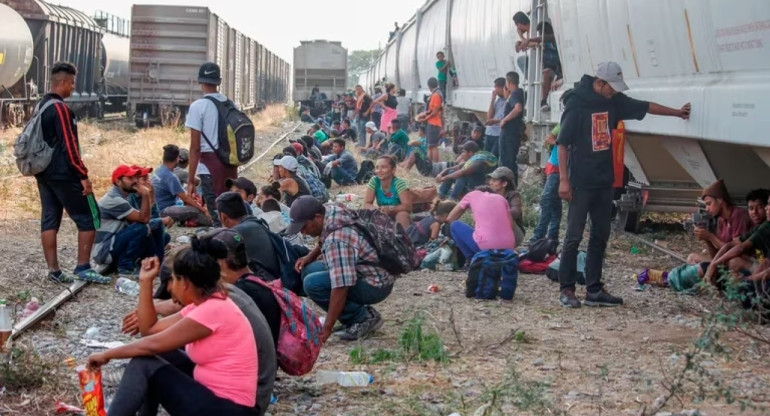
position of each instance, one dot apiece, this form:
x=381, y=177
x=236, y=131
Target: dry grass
x=102, y=148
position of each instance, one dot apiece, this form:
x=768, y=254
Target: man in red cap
x=125, y=235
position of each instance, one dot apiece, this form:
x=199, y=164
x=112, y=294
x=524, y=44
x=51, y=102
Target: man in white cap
x=593, y=109
x=375, y=134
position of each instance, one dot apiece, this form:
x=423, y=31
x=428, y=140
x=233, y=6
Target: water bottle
x=345, y=378
x=6, y=323
x=127, y=286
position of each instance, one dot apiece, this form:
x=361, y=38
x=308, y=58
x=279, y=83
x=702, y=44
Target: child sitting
x=427, y=229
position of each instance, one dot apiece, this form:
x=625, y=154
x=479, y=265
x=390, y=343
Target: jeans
x=596, y=203
x=167, y=380
x=132, y=243
x=492, y=145
x=361, y=122
x=160, y=238
x=509, y=151
x=550, y=210
x=462, y=234
x=442, y=87
x=342, y=177
x=404, y=119
x=209, y=198
x=317, y=285
x=462, y=186
x=376, y=118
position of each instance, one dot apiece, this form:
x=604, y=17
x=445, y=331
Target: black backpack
x=287, y=255
x=540, y=250
x=236, y=134
x=365, y=172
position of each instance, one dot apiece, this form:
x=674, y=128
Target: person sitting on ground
x=457, y=180
x=191, y=383
x=267, y=193
x=418, y=156
x=125, y=236
x=415, y=148
x=390, y=193
x=398, y=141
x=271, y=214
x=732, y=222
x=248, y=191
x=319, y=137
x=156, y=220
x=348, y=279
x=336, y=127
x=263, y=260
x=348, y=132
x=303, y=159
x=501, y=181
x=168, y=189
x=306, y=117
x=180, y=171
x=375, y=136
x=427, y=229
x=306, y=172
x=291, y=185
x=344, y=167
x=493, y=221
x=312, y=149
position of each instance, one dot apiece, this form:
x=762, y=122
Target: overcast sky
x=281, y=24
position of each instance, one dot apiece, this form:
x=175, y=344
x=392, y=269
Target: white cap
x=611, y=73
x=371, y=126
x=287, y=162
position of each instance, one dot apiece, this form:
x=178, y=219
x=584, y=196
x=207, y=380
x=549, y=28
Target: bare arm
x=336, y=304
x=660, y=110
x=491, y=111
x=182, y=333
x=516, y=206
x=406, y=201
x=143, y=215
x=185, y=197
x=369, y=199
x=435, y=228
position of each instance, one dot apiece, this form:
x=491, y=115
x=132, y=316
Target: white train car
x=714, y=54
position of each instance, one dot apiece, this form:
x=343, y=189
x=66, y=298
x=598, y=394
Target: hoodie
x=586, y=130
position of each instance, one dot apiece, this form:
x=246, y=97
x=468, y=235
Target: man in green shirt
x=398, y=142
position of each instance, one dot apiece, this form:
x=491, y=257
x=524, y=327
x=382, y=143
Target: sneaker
x=90, y=275
x=602, y=298
x=63, y=277
x=361, y=330
x=568, y=299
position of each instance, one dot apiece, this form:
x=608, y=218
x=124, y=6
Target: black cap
x=233, y=241
x=303, y=210
x=478, y=127
x=210, y=74
x=242, y=183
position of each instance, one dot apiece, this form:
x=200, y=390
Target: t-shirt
x=320, y=136
x=419, y=232
x=738, y=224
x=494, y=129
x=377, y=107
x=266, y=357
x=350, y=133
x=515, y=127
x=226, y=361
x=552, y=167
x=441, y=74
x=167, y=186
x=391, y=102
x=400, y=138
x=259, y=247
x=347, y=162
x=760, y=239
x=366, y=102
x=113, y=209
x=204, y=117
x=387, y=197
x=402, y=108
x=435, y=103
x=377, y=137
x=182, y=174
x=493, y=223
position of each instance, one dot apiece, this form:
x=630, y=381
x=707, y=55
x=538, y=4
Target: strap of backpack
x=48, y=103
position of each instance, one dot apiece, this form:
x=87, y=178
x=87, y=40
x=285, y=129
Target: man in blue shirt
x=344, y=167
x=168, y=189
x=494, y=116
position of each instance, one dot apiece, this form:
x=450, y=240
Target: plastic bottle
x=345, y=378
x=6, y=323
x=127, y=286
x=346, y=197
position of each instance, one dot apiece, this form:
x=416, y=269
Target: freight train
x=711, y=53
x=169, y=43
x=321, y=65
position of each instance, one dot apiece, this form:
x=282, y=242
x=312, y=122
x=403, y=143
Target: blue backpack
x=493, y=273
x=287, y=255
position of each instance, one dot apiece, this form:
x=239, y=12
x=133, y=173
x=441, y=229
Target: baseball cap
x=370, y=125
x=298, y=147
x=209, y=73
x=302, y=210
x=502, y=173
x=184, y=155
x=611, y=73
x=287, y=162
x=232, y=240
x=242, y=183
x=123, y=170
x=143, y=171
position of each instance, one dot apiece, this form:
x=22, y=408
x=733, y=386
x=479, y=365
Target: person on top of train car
x=551, y=61
x=203, y=122
x=586, y=177
x=64, y=184
x=732, y=222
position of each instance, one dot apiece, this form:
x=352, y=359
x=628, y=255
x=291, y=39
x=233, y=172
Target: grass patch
x=415, y=345
x=22, y=368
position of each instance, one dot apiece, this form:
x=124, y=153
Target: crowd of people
x=214, y=347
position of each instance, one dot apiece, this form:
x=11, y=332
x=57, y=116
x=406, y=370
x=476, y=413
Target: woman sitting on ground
x=391, y=193
x=428, y=228
x=494, y=223
x=218, y=373
x=501, y=180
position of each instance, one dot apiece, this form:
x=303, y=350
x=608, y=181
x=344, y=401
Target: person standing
x=512, y=125
x=64, y=184
x=494, y=117
x=363, y=103
x=203, y=122
x=433, y=119
x=586, y=174
x=442, y=65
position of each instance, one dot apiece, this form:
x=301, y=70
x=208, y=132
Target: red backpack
x=299, y=339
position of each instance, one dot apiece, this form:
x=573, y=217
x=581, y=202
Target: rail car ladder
x=539, y=126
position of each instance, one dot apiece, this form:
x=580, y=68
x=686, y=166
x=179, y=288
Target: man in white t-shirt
x=203, y=122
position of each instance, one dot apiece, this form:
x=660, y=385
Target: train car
x=114, y=62
x=167, y=46
x=59, y=33
x=671, y=52
x=321, y=65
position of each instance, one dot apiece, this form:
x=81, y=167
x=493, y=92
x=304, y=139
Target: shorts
x=57, y=196
x=432, y=134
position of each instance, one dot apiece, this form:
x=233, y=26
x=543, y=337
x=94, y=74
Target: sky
x=282, y=24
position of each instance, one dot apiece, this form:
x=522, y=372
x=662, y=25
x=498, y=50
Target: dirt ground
x=529, y=358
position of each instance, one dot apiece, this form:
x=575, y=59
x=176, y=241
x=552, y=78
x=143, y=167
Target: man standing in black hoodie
x=592, y=110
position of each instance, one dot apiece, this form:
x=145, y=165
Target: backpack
x=394, y=248
x=299, y=339
x=287, y=255
x=365, y=172
x=540, y=250
x=553, y=269
x=236, y=134
x=493, y=273
x=32, y=153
